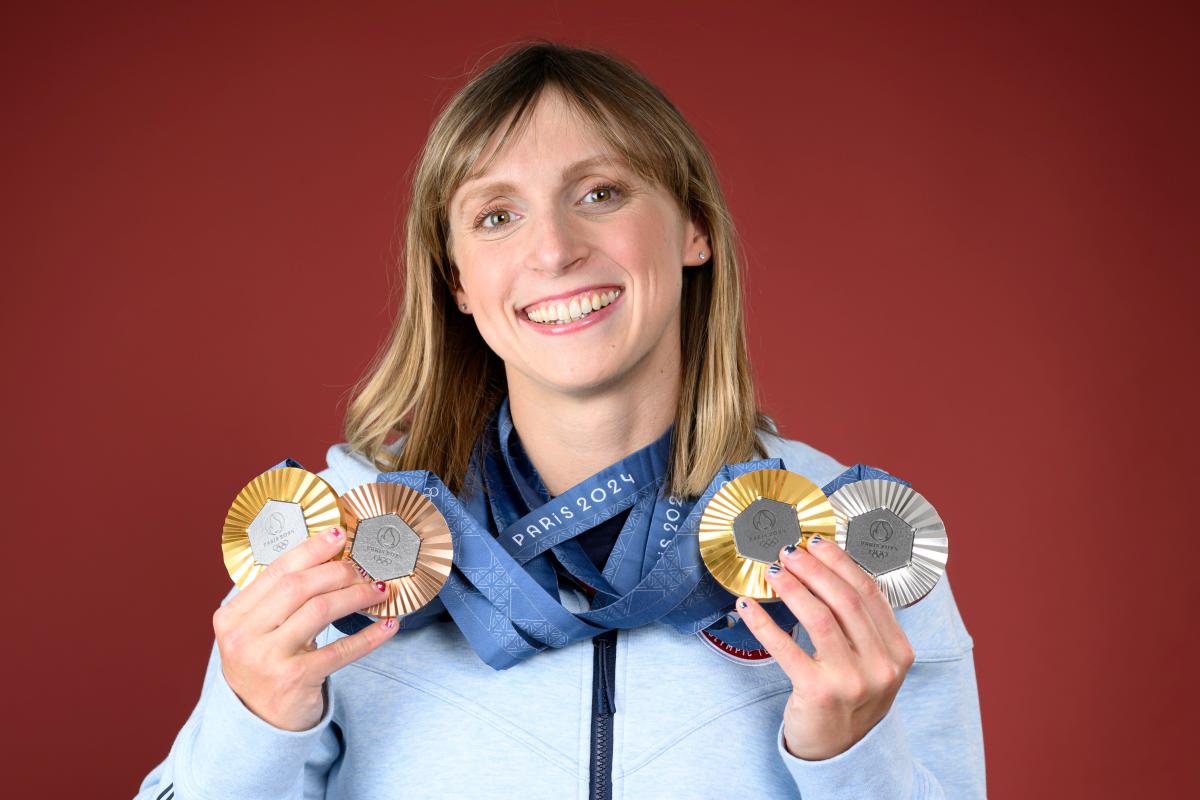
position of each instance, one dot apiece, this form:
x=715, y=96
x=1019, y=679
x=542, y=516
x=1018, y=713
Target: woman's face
x=571, y=266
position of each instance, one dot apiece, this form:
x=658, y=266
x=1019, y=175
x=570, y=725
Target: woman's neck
x=572, y=437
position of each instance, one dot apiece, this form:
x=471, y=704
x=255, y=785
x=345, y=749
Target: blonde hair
x=436, y=381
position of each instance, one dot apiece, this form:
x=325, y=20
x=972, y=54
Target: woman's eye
x=605, y=190
x=488, y=214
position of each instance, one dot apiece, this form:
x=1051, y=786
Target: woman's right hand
x=266, y=633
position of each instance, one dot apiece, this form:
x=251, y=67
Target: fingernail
x=741, y=604
x=816, y=539
x=380, y=585
x=389, y=623
x=773, y=569
x=791, y=550
x=334, y=534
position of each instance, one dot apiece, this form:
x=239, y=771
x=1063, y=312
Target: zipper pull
x=606, y=688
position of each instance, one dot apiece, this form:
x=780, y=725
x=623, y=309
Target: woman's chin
x=574, y=381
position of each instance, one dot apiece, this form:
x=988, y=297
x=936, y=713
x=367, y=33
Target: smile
x=564, y=310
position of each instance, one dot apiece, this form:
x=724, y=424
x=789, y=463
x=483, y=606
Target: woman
x=572, y=306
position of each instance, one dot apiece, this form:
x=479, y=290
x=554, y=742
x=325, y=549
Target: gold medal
x=398, y=536
x=751, y=518
x=894, y=534
x=272, y=514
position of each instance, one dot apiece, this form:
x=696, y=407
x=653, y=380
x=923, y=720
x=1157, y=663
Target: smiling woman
x=567, y=381
x=562, y=173
x=570, y=226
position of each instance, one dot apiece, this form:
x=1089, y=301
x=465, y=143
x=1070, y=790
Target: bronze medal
x=398, y=536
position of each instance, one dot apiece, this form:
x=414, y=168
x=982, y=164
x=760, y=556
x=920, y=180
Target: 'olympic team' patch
x=756, y=657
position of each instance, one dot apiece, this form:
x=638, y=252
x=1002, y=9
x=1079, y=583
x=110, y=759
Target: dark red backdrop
x=983, y=225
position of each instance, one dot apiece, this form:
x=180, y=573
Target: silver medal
x=893, y=533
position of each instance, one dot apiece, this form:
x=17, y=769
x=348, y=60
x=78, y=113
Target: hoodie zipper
x=604, y=687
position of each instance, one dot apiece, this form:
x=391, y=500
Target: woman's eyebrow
x=569, y=172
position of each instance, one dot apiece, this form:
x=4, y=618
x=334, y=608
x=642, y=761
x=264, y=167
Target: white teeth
x=574, y=308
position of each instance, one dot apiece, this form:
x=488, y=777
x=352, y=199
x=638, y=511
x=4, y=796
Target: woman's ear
x=698, y=249
x=460, y=294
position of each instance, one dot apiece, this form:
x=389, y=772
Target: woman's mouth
x=571, y=312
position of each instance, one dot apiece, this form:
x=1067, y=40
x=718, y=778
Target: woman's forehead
x=551, y=131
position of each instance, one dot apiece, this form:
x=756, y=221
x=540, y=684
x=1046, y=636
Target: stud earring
x=463, y=306
x=701, y=255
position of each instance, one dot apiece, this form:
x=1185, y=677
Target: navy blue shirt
x=599, y=541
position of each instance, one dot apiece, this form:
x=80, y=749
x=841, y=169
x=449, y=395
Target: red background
x=981, y=224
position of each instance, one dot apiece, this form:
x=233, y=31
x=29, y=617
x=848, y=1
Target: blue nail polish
x=741, y=603
x=791, y=548
x=816, y=539
x=773, y=569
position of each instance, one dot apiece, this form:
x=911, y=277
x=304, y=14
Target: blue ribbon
x=511, y=539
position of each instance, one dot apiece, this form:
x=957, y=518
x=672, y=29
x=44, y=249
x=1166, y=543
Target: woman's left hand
x=861, y=652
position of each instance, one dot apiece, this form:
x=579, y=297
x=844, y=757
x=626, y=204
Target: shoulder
x=346, y=468
x=802, y=458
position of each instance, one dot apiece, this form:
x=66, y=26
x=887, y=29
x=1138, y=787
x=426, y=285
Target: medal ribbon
x=508, y=534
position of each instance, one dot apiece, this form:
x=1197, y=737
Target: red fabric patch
x=736, y=652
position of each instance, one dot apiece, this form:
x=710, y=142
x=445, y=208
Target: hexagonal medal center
x=763, y=528
x=880, y=541
x=386, y=547
x=277, y=527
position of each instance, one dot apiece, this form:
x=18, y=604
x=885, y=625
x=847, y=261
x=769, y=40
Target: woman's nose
x=554, y=243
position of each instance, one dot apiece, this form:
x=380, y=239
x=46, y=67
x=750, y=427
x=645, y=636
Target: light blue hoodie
x=423, y=716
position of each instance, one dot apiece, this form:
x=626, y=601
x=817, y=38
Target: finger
x=312, y=551
x=317, y=612
x=822, y=625
x=340, y=652
x=842, y=599
x=295, y=589
x=796, y=664
x=874, y=599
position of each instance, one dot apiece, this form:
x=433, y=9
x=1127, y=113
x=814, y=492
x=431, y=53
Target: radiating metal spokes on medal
x=399, y=537
x=889, y=529
x=751, y=518
x=394, y=534
x=893, y=533
x=272, y=514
